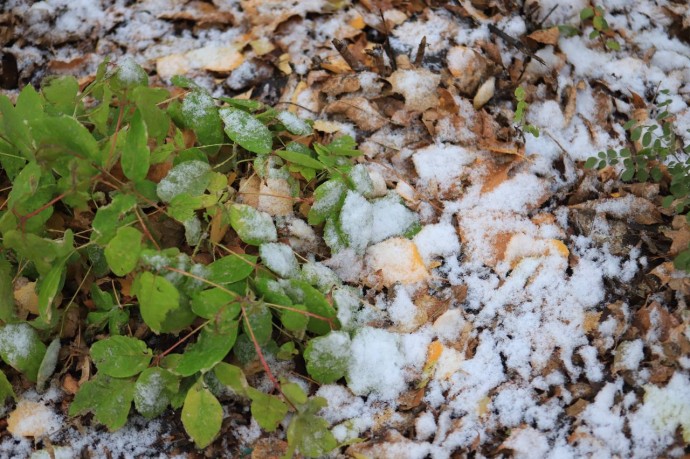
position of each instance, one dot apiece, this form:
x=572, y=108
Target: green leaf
x=293, y=320
x=147, y=100
x=120, y=356
x=64, y=135
x=328, y=357
x=636, y=133
x=667, y=202
x=183, y=205
x=6, y=390
x=201, y=115
x=279, y=258
x=250, y=133
x=42, y=252
x=159, y=303
x=202, y=415
x=267, y=410
x=233, y=377
x=259, y=318
x=231, y=268
x=310, y=435
x=301, y=159
x=111, y=217
x=109, y=399
x=61, y=94
x=48, y=364
x=252, y=226
x=209, y=303
x=48, y=288
x=294, y=124
x=7, y=310
x=301, y=292
x=594, y=34
x=136, y=156
x=586, y=13
x=600, y=23
x=129, y=74
x=590, y=163
x=211, y=347
x=16, y=129
x=328, y=198
x=22, y=349
x=190, y=177
x=613, y=45
x=153, y=391
x=272, y=291
x=122, y=252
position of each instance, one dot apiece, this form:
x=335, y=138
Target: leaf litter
x=561, y=345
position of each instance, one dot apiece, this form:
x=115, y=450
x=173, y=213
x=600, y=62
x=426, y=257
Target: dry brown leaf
x=484, y=93
x=214, y=58
x=571, y=103
x=679, y=235
x=275, y=197
x=25, y=297
x=417, y=86
x=546, y=36
x=269, y=448
x=359, y=110
x=202, y=13
x=497, y=174
x=31, y=419
x=340, y=84
x=468, y=67
x=398, y=260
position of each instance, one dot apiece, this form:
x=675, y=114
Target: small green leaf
x=613, y=45
x=294, y=393
x=211, y=347
x=22, y=349
x=156, y=120
x=294, y=318
x=6, y=390
x=209, y=303
x=294, y=124
x=111, y=217
x=590, y=163
x=153, y=391
x=600, y=23
x=310, y=435
x=61, y=94
x=64, y=135
x=190, y=177
x=201, y=115
x=636, y=133
x=328, y=198
x=202, y=415
x=301, y=292
x=301, y=159
x=129, y=74
x=279, y=258
x=586, y=13
x=594, y=34
x=159, y=303
x=136, y=156
x=231, y=268
x=252, y=226
x=259, y=318
x=120, y=356
x=267, y=410
x=233, y=377
x=109, y=399
x=48, y=364
x=7, y=310
x=48, y=289
x=328, y=356
x=122, y=252
x=250, y=133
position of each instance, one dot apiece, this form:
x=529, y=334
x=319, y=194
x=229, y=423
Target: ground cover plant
x=69, y=152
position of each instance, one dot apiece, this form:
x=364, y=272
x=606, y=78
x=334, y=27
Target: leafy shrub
x=656, y=150
x=128, y=157
x=601, y=29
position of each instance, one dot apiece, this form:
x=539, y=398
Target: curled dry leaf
x=214, y=58
x=468, y=67
x=484, y=93
x=398, y=260
x=417, y=86
x=546, y=36
x=359, y=110
x=201, y=13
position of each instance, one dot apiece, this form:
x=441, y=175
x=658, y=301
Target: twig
x=351, y=60
x=420, y=52
x=515, y=43
x=387, y=44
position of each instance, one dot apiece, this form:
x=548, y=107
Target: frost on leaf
x=191, y=177
x=279, y=258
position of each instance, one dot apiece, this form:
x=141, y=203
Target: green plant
x=656, y=149
x=601, y=29
x=120, y=160
x=519, y=116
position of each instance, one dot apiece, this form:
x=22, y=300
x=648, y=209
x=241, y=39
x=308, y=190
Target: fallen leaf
x=214, y=58
x=359, y=110
x=202, y=13
x=546, y=36
x=31, y=419
x=417, y=86
x=398, y=260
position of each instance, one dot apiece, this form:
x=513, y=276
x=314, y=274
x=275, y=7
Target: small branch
x=387, y=44
x=351, y=60
x=515, y=43
x=420, y=52
x=379, y=63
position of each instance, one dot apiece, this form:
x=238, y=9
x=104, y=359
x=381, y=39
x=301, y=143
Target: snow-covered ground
x=504, y=326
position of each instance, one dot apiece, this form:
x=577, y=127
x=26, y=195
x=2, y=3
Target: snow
x=17, y=342
x=279, y=258
x=376, y=363
x=356, y=218
x=441, y=164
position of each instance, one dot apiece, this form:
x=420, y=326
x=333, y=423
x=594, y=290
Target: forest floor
x=539, y=313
